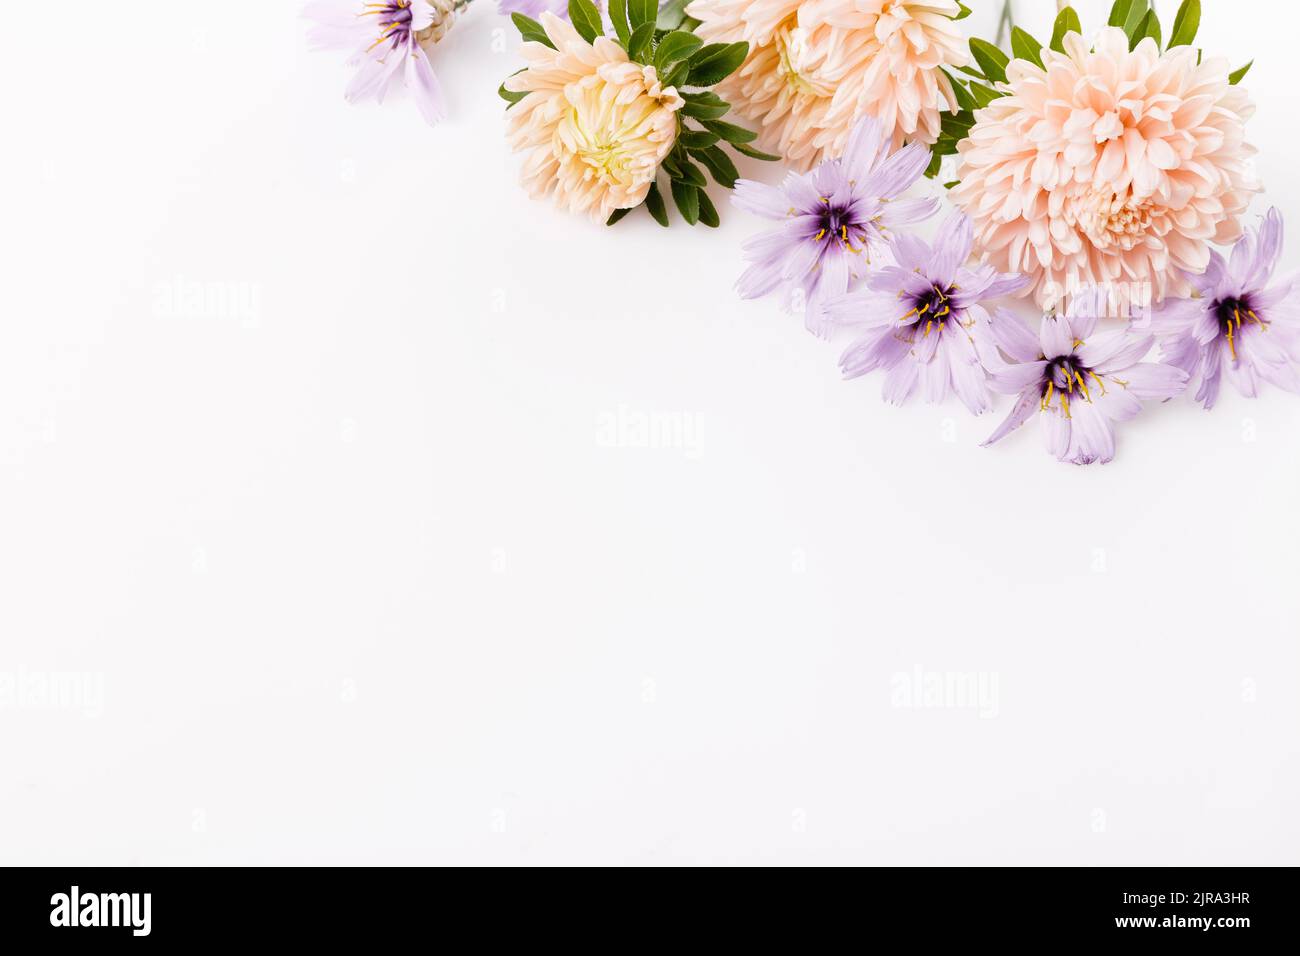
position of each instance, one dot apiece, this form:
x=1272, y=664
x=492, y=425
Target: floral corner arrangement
x=1091, y=177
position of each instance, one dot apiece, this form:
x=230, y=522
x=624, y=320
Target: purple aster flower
x=833, y=220
x=923, y=321
x=1235, y=323
x=388, y=40
x=1078, y=383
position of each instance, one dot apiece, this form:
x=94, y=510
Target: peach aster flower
x=1108, y=167
x=815, y=67
x=594, y=126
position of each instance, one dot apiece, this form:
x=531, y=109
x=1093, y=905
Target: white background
x=357, y=571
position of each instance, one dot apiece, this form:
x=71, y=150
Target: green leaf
x=585, y=19
x=963, y=11
x=715, y=62
x=1153, y=27
x=641, y=12
x=708, y=214
x=719, y=164
x=616, y=215
x=991, y=60
x=697, y=139
x=1025, y=47
x=671, y=14
x=1137, y=11
x=1127, y=14
x=964, y=99
x=984, y=95
x=936, y=158
x=1149, y=26
x=1236, y=76
x=729, y=131
x=704, y=105
x=510, y=96
x=687, y=198
x=1067, y=21
x=639, y=43
x=678, y=45
x=953, y=122
x=677, y=76
x=963, y=96
x=654, y=203
x=530, y=30
x=1186, y=23
x=618, y=17
x=688, y=172
x=949, y=185
x=753, y=153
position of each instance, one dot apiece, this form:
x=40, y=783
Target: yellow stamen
x=1083, y=386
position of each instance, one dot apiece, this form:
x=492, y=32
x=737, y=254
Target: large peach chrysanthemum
x=1108, y=167
x=816, y=66
x=594, y=126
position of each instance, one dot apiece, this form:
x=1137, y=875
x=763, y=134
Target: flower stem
x=1006, y=21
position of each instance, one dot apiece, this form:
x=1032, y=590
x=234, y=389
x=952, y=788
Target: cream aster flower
x=815, y=67
x=594, y=126
x=1108, y=167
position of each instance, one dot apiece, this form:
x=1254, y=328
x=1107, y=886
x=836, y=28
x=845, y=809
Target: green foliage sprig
x=662, y=37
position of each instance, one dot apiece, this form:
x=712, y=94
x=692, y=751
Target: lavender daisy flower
x=923, y=321
x=833, y=220
x=1077, y=383
x=388, y=40
x=1235, y=323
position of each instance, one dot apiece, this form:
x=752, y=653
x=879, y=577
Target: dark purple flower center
x=1231, y=313
x=1066, y=380
x=935, y=303
x=932, y=309
x=840, y=224
x=394, y=20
